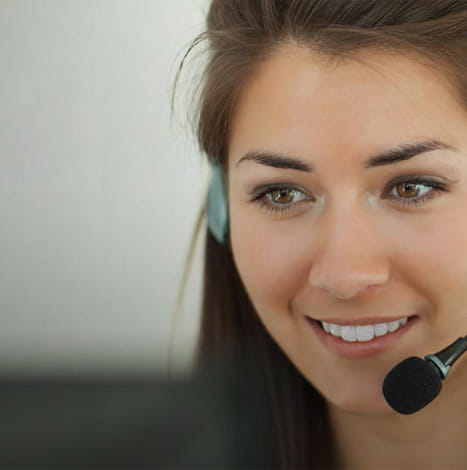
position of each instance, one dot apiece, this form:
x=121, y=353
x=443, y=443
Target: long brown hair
x=240, y=35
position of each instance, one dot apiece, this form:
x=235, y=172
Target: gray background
x=99, y=188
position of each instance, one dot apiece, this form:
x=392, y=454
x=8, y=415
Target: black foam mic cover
x=411, y=385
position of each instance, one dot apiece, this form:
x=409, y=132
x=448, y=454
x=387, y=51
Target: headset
x=217, y=207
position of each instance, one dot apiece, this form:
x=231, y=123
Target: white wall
x=98, y=189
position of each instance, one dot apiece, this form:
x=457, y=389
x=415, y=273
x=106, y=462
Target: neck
x=432, y=438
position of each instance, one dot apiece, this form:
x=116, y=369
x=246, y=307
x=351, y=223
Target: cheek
x=431, y=259
x=265, y=264
x=437, y=253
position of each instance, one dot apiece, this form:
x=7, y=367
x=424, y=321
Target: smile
x=361, y=341
x=362, y=332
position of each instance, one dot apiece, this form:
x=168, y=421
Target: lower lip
x=359, y=349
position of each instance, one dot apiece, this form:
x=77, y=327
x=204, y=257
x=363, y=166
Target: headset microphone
x=415, y=382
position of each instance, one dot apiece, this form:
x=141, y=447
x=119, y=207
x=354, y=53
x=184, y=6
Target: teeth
x=349, y=333
x=381, y=329
x=362, y=332
x=335, y=329
x=365, y=333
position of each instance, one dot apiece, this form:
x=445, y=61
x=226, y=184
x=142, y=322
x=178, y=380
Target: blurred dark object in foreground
x=207, y=421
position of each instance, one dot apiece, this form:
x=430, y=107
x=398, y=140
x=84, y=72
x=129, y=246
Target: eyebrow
x=388, y=157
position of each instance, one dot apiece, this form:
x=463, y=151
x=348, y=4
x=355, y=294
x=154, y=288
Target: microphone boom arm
x=445, y=358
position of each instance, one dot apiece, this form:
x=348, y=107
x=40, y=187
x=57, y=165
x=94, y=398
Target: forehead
x=296, y=101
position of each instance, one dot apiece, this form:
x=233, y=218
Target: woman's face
x=353, y=244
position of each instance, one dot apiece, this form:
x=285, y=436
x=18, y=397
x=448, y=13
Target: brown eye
x=407, y=189
x=281, y=196
x=278, y=199
x=416, y=191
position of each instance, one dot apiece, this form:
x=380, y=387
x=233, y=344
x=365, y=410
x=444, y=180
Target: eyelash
x=259, y=197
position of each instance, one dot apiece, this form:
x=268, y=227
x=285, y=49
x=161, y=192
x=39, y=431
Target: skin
x=347, y=249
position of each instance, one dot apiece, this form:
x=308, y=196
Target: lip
x=357, y=349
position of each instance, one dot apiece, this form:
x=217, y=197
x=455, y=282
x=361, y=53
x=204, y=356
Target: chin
x=361, y=405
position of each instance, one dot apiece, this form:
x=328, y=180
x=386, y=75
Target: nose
x=353, y=257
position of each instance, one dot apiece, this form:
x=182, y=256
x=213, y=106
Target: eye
x=281, y=198
x=408, y=194
x=277, y=199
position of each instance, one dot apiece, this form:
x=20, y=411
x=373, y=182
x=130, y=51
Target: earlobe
x=217, y=208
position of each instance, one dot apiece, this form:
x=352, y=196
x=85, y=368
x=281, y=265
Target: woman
x=340, y=130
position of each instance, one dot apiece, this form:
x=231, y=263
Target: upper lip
x=361, y=321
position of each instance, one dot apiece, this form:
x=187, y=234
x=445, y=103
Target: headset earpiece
x=217, y=208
